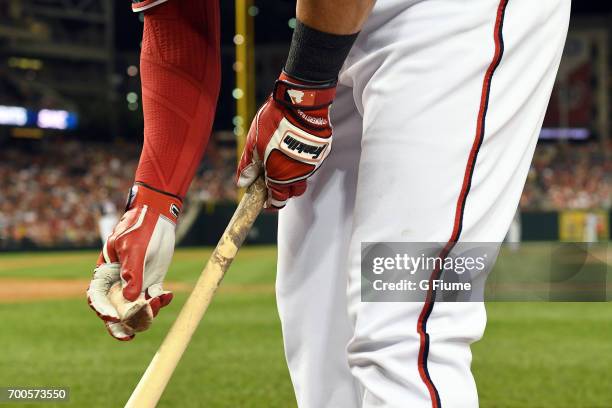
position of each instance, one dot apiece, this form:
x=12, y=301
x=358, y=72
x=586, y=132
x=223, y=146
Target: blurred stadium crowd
x=569, y=176
x=53, y=194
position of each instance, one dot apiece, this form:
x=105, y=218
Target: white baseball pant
x=437, y=116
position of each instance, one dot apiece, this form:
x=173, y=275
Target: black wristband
x=316, y=56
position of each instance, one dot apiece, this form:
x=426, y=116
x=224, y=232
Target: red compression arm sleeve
x=180, y=74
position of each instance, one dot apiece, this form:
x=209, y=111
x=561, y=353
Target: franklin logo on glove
x=301, y=147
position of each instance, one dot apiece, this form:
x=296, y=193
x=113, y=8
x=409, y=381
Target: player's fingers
x=165, y=299
x=297, y=189
x=277, y=197
x=119, y=331
x=279, y=194
x=158, y=298
x=157, y=303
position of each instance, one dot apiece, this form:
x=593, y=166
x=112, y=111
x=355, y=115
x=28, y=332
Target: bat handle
x=153, y=382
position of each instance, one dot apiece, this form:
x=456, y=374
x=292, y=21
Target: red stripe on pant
x=465, y=189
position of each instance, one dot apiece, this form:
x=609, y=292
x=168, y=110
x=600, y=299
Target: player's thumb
x=249, y=167
x=131, y=274
x=131, y=247
x=248, y=175
x=104, y=277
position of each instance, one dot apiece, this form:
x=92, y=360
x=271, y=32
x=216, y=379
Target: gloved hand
x=290, y=137
x=137, y=253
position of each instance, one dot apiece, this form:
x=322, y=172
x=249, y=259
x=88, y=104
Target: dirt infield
x=27, y=290
x=14, y=290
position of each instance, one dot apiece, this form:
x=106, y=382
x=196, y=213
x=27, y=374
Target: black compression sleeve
x=317, y=56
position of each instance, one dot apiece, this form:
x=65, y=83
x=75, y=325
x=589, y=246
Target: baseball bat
x=153, y=382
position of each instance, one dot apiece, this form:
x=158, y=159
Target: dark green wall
x=210, y=224
x=539, y=226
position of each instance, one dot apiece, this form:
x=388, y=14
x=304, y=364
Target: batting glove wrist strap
x=165, y=204
x=297, y=94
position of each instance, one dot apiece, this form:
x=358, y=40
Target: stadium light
x=564, y=133
x=56, y=119
x=43, y=119
x=13, y=115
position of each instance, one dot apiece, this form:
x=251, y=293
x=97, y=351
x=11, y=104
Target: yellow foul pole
x=244, y=66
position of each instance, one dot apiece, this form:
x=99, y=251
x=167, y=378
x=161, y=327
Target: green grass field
x=533, y=354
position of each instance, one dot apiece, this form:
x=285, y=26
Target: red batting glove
x=290, y=137
x=137, y=254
